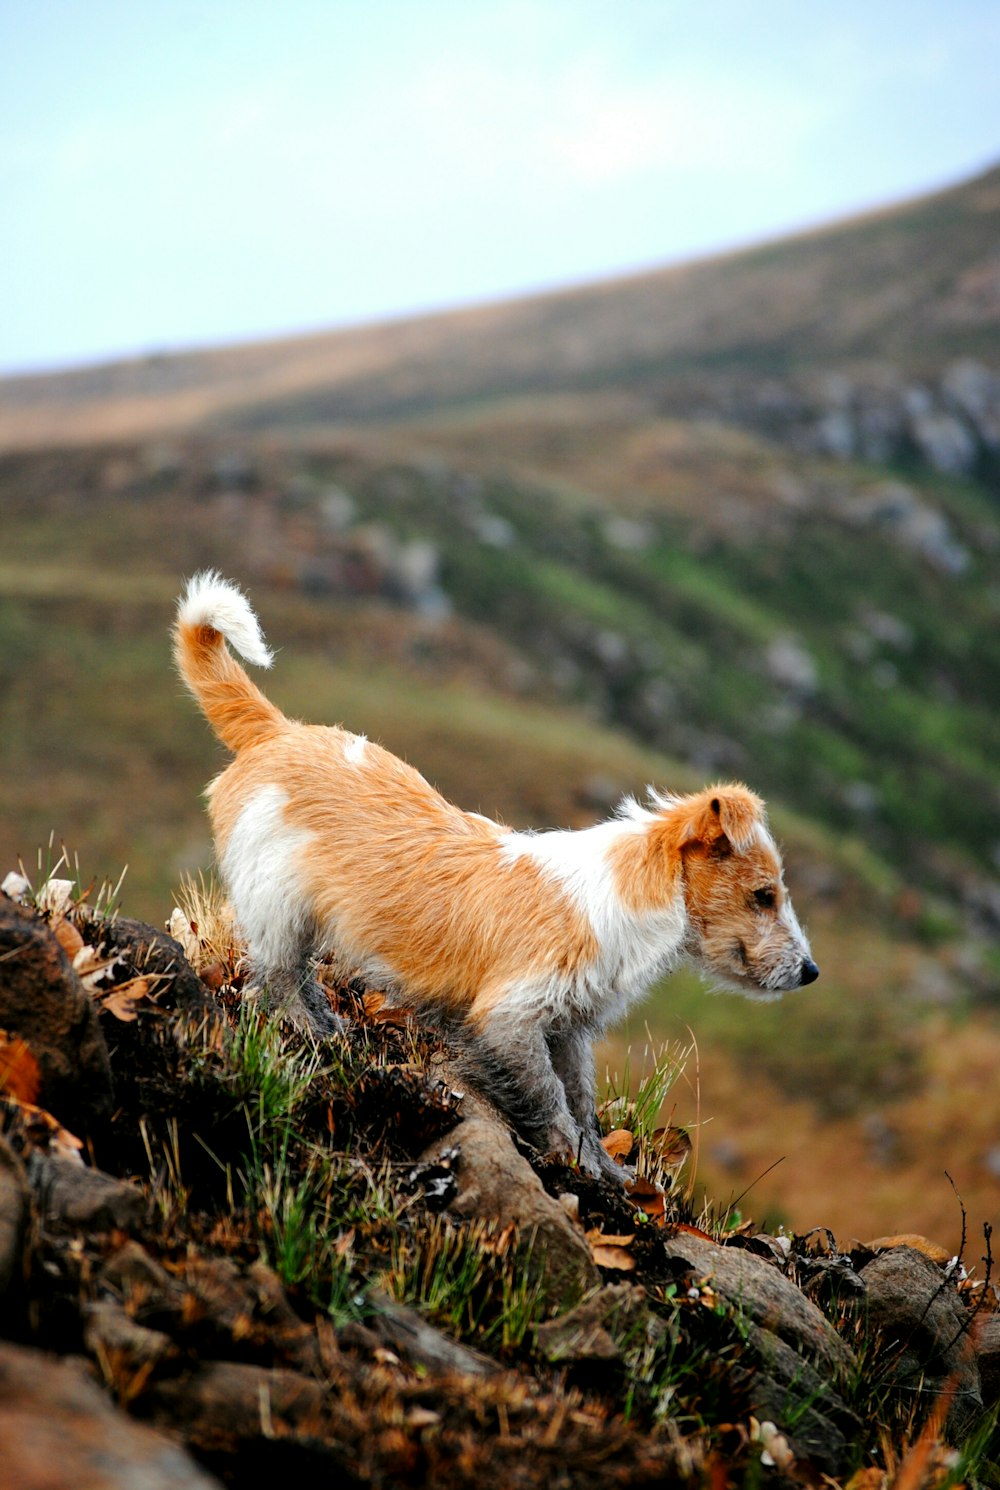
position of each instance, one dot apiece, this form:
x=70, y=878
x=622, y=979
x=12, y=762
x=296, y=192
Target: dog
x=525, y=946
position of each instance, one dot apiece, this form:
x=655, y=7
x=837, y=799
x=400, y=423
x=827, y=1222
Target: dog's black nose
x=808, y=973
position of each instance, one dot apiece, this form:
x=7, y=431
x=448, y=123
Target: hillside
x=914, y=287
x=323, y=1259
x=738, y=518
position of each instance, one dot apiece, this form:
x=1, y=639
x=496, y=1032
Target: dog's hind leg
x=260, y=869
x=292, y=993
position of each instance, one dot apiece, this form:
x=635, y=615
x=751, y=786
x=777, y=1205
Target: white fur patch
x=635, y=947
x=356, y=749
x=210, y=600
x=260, y=868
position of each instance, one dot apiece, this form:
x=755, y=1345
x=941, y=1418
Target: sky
x=177, y=174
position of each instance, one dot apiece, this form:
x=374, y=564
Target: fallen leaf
x=55, y=896
x=19, y=1073
x=44, y=1130
x=673, y=1145
x=612, y=1257
x=121, y=1001
x=596, y=1237
x=213, y=976
x=182, y=931
x=68, y=938
x=930, y=1249
x=618, y=1143
x=683, y=1229
x=422, y=1417
x=649, y=1199
x=869, y=1478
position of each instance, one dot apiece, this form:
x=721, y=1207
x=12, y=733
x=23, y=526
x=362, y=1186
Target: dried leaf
x=19, y=1073
x=44, y=1130
x=55, y=896
x=378, y=1008
x=683, y=1229
x=121, y=1001
x=613, y=1257
x=869, y=1478
x=182, y=931
x=68, y=938
x=618, y=1143
x=16, y=886
x=344, y=1242
x=673, y=1145
x=930, y=1249
x=649, y=1199
x=422, y=1417
x=596, y=1237
x=213, y=976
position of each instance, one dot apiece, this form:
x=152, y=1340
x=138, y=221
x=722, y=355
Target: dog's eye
x=765, y=898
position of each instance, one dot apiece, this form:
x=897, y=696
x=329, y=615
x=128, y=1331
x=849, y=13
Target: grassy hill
x=717, y=520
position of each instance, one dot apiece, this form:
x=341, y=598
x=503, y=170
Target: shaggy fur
x=525, y=944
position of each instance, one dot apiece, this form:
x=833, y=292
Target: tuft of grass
x=474, y=1281
x=637, y=1103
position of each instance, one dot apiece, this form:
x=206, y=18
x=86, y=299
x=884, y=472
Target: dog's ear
x=721, y=816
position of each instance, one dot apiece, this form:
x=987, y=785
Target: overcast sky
x=176, y=174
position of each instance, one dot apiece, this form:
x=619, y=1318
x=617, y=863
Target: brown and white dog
x=524, y=945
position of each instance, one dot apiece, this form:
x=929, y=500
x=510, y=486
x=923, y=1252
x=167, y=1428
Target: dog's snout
x=808, y=973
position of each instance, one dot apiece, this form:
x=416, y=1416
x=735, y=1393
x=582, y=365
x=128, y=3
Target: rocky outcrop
x=44, y=1003
x=59, y=1431
x=157, y=1288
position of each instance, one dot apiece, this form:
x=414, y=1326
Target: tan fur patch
x=396, y=874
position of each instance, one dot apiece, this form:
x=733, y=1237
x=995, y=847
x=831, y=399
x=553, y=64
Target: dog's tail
x=210, y=613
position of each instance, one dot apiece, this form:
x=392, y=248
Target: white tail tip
x=210, y=600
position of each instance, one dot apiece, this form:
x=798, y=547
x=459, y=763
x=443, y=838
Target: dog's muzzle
x=808, y=972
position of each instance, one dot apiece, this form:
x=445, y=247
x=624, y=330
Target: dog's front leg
x=573, y=1060
x=510, y=1062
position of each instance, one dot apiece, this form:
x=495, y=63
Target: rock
x=404, y=1331
x=60, y=1432
x=153, y=952
x=227, y=1400
x=945, y=442
x=766, y=1298
x=971, y=389
x=587, y=1332
x=495, y=1183
x=15, y=1213
x=986, y=1335
x=791, y=665
x=71, y=1195
x=797, y=1359
x=109, y=1332
x=43, y=1001
x=925, y=1331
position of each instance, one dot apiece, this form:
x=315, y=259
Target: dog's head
x=743, y=929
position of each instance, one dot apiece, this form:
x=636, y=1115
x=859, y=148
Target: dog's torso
x=438, y=904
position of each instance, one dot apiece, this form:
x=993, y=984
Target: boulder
x=925, y=1332
x=15, y=1213
x=60, y=1432
x=43, y=1001
x=71, y=1195
x=153, y=953
x=496, y=1183
x=799, y=1363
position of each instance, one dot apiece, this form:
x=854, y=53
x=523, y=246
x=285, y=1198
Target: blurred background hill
x=738, y=517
